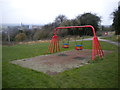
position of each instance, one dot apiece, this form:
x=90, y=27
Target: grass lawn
x=99, y=74
x=115, y=38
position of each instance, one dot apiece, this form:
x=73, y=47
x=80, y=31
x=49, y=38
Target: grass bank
x=115, y=38
x=100, y=74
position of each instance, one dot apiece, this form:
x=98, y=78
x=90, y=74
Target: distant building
x=30, y=26
x=36, y=27
x=23, y=27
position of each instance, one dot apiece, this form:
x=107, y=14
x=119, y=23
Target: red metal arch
x=56, y=29
x=96, y=47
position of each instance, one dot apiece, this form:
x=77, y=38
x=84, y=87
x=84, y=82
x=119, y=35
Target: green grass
x=101, y=74
x=112, y=38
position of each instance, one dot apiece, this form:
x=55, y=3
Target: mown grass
x=115, y=38
x=103, y=73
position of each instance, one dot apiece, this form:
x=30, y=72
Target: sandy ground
x=58, y=62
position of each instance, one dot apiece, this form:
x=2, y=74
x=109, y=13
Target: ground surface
x=105, y=40
x=56, y=63
x=98, y=74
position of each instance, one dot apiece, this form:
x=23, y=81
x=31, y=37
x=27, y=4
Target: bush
x=99, y=33
x=118, y=38
x=20, y=37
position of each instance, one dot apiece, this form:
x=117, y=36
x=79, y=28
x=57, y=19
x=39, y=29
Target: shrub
x=118, y=38
x=20, y=37
x=99, y=33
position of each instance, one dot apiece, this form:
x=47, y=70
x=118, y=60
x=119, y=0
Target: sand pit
x=58, y=62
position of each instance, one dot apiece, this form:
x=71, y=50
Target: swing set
x=96, y=47
x=77, y=46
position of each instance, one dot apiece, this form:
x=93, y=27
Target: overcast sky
x=45, y=11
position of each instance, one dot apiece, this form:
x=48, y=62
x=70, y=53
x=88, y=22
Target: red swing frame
x=96, y=47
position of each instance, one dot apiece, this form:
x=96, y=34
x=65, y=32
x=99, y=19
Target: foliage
x=60, y=19
x=105, y=28
x=39, y=35
x=89, y=19
x=12, y=32
x=116, y=21
x=20, y=37
x=46, y=31
x=99, y=33
x=118, y=38
x=4, y=36
x=84, y=19
x=29, y=34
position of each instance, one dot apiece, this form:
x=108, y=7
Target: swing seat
x=78, y=47
x=65, y=45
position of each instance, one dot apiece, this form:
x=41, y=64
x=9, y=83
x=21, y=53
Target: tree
x=20, y=37
x=59, y=19
x=116, y=21
x=89, y=19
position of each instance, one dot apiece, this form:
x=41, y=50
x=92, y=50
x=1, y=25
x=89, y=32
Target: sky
x=45, y=11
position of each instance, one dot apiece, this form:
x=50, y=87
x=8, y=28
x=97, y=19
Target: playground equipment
x=65, y=45
x=96, y=47
x=78, y=47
